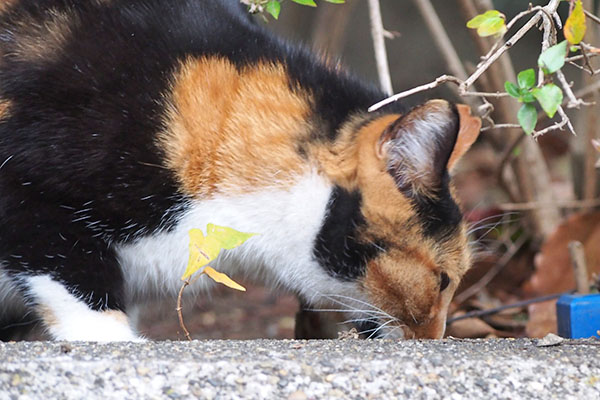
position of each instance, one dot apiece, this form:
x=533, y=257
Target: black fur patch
x=338, y=247
x=440, y=217
x=80, y=166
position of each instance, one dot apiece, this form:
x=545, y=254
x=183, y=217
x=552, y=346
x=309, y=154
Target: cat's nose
x=434, y=329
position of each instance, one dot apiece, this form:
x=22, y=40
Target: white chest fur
x=287, y=221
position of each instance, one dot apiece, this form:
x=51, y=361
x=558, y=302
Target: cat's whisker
x=349, y=321
x=379, y=328
x=479, y=225
x=342, y=310
x=390, y=332
x=358, y=301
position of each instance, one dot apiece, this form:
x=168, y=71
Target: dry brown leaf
x=469, y=328
x=554, y=273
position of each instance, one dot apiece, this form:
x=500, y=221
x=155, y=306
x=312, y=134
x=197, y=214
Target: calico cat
x=126, y=123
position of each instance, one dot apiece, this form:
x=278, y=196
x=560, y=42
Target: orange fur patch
x=47, y=316
x=5, y=106
x=6, y=4
x=233, y=130
x=404, y=280
x=467, y=134
x=118, y=316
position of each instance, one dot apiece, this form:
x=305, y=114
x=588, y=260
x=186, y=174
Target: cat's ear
x=468, y=133
x=421, y=146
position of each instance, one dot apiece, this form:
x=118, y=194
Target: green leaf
x=575, y=26
x=492, y=27
x=553, y=58
x=526, y=96
x=511, y=89
x=273, y=7
x=526, y=78
x=309, y=3
x=550, y=97
x=489, y=23
x=527, y=117
x=336, y=1
x=476, y=21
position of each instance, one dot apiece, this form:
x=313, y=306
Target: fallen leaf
x=553, y=269
x=469, y=328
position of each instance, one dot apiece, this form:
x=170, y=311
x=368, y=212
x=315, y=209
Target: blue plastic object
x=578, y=315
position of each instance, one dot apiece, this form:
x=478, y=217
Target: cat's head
x=394, y=228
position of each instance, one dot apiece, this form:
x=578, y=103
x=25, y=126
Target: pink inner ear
x=467, y=134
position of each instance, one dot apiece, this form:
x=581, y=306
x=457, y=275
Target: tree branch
x=378, y=35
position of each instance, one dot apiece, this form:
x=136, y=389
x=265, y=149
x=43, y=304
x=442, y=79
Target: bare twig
x=440, y=80
x=501, y=126
x=549, y=9
x=179, y=309
x=566, y=204
x=378, y=36
x=495, y=310
x=591, y=16
x=442, y=41
x=574, y=102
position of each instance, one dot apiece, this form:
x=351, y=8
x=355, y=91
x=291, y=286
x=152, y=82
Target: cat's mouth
x=384, y=330
x=377, y=330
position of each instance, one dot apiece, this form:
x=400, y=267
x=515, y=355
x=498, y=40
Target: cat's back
x=109, y=46
x=84, y=90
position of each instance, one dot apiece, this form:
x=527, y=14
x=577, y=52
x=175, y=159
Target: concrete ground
x=288, y=369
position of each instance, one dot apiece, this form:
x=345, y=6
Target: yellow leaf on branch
x=204, y=249
x=222, y=278
x=490, y=23
x=575, y=26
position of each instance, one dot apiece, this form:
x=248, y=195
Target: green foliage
x=490, y=23
x=273, y=7
x=549, y=96
x=527, y=117
x=309, y=3
x=526, y=79
x=553, y=58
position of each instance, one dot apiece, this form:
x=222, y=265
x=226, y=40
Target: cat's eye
x=445, y=281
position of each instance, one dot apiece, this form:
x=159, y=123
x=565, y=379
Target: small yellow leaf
x=491, y=22
x=228, y=238
x=575, y=26
x=495, y=27
x=204, y=249
x=222, y=278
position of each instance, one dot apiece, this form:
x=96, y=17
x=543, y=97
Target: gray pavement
x=288, y=369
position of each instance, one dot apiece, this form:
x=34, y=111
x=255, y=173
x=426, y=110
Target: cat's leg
x=69, y=317
x=72, y=281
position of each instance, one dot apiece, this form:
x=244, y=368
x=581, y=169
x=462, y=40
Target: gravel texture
x=289, y=369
